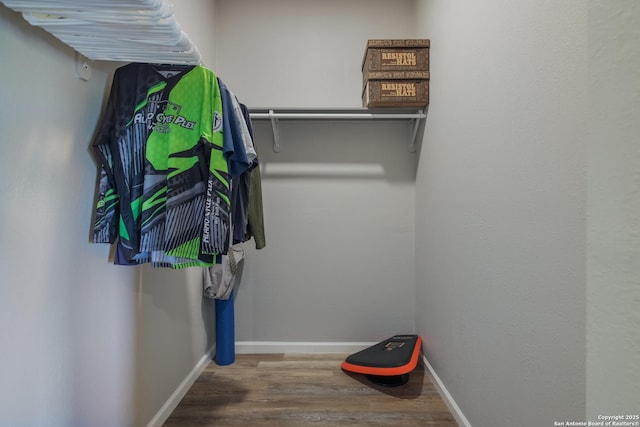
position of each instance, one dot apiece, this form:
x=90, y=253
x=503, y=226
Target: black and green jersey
x=164, y=187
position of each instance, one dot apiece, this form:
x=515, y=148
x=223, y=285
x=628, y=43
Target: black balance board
x=387, y=363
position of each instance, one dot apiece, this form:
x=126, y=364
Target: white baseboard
x=262, y=347
x=446, y=396
x=163, y=414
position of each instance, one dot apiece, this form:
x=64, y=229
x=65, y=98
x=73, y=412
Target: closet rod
x=274, y=117
x=336, y=116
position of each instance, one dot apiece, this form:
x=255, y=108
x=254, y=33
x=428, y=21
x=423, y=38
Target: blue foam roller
x=225, y=332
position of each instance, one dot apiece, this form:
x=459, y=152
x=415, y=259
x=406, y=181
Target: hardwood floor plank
x=305, y=390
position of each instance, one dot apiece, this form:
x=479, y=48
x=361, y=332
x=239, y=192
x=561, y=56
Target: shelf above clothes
x=413, y=115
x=113, y=30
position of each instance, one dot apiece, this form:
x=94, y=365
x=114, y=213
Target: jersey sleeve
x=105, y=226
x=217, y=209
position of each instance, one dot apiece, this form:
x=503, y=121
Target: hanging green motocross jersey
x=164, y=187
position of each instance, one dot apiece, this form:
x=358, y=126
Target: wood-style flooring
x=282, y=390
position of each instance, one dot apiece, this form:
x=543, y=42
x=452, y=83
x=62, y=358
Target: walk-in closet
x=499, y=223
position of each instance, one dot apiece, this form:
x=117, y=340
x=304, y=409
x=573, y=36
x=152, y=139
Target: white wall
x=501, y=208
x=82, y=342
x=302, y=53
x=67, y=317
x=613, y=285
x=338, y=198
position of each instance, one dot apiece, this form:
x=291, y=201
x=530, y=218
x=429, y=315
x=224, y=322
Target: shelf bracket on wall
x=275, y=127
x=83, y=68
x=413, y=115
x=415, y=124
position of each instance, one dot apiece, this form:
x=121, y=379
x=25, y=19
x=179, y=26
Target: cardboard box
x=396, y=55
x=395, y=73
x=395, y=93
